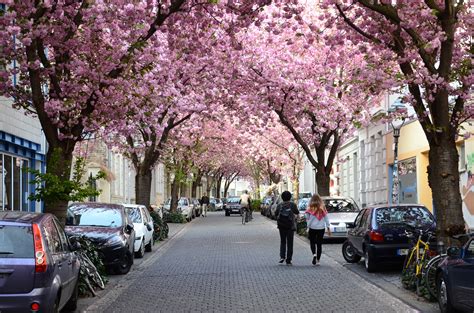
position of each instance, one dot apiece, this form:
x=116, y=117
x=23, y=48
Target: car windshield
x=233, y=200
x=16, y=242
x=135, y=215
x=415, y=216
x=302, y=204
x=340, y=206
x=96, y=216
x=183, y=201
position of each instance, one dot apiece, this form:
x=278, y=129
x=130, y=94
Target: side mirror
x=149, y=227
x=453, y=251
x=350, y=225
x=128, y=228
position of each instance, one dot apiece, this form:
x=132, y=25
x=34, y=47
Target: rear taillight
x=40, y=253
x=375, y=236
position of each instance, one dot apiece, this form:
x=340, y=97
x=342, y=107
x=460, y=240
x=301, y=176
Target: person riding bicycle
x=245, y=201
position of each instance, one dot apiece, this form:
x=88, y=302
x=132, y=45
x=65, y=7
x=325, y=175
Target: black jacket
x=205, y=200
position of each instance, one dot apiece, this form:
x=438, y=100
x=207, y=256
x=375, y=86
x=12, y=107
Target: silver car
x=341, y=210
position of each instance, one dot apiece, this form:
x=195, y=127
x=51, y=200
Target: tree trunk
x=322, y=181
x=195, y=184
x=209, y=182
x=143, y=185
x=218, y=187
x=58, y=162
x=443, y=177
x=174, y=194
x=296, y=190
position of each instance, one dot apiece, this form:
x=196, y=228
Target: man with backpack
x=286, y=221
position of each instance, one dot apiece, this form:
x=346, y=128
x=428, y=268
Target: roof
x=21, y=217
x=134, y=206
x=100, y=205
x=401, y=205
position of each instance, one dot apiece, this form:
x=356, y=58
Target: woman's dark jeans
x=316, y=238
x=286, y=240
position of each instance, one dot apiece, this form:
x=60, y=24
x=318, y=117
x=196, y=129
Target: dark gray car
x=39, y=272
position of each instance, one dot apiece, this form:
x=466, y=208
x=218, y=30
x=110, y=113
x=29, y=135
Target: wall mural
x=467, y=191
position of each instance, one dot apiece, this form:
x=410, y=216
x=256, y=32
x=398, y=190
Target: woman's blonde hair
x=316, y=204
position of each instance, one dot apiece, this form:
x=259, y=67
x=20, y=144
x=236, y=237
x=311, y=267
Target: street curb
x=105, y=300
x=353, y=273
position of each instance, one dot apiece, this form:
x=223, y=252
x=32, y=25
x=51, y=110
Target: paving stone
x=218, y=265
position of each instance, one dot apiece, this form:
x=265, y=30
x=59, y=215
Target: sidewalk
x=118, y=281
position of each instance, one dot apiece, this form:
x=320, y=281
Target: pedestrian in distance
x=204, y=204
x=316, y=220
x=286, y=222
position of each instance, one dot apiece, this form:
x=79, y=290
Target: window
x=52, y=237
x=365, y=219
x=62, y=236
x=82, y=215
x=358, y=218
x=134, y=215
x=470, y=250
x=16, y=242
x=14, y=183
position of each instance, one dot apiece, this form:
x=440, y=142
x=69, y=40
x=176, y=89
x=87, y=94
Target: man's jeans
x=286, y=237
x=204, y=209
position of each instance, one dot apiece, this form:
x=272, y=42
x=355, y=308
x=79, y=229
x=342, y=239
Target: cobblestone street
x=217, y=264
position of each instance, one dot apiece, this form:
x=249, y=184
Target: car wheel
x=126, y=264
x=71, y=305
x=141, y=252
x=370, y=265
x=349, y=253
x=444, y=300
x=149, y=246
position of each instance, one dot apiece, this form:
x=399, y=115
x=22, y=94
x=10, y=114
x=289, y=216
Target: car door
x=59, y=260
x=360, y=230
x=71, y=263
x=462, y=278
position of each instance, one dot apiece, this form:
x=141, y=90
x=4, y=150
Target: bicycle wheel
x=97, y=279
x=92, y=272
x=89, y=286
x=429, y=275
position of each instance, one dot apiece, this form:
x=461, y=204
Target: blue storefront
x=17, y=156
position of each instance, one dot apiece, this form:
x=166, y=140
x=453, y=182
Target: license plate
x=402, y=251
x=340, y=229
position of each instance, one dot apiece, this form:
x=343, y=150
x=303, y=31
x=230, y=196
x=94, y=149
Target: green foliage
x=174, y=217
x=409, y=280
x=160, y=227
x=92, y=252
x=52, y=188
x=256, y=205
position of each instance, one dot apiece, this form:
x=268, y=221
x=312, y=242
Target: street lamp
x=396, y=124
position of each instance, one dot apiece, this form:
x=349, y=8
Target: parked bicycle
x=416, y=272
x=88, y=273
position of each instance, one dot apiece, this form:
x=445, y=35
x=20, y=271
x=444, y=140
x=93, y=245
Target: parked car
x=196, y=206
x=38, y=269
x=109, y=227
x=185, y=207
x=341, y=210
x=455, y=279
x=232, y=206
x=305, y=195
x=302, y=207
x=379, y=234
x=143, y=226
x=219, y=205
x=265, y=206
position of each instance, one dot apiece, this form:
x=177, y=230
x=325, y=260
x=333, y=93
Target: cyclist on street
x=245, y=201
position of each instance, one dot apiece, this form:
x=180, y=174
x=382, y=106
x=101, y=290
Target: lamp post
x=396, y=126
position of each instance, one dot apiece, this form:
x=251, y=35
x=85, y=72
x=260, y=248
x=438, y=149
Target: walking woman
x=316, y=220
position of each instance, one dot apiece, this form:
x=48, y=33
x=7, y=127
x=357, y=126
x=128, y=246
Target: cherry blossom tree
x=431, y=41
x=314, y=87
